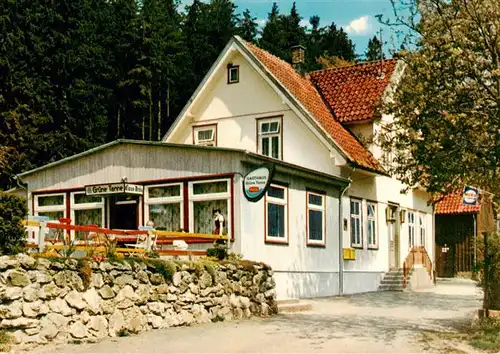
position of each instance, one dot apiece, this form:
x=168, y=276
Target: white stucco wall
x=235, y=108
x=364, y=273
x=301, y=271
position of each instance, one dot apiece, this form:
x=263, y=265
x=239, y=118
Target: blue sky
x=357, y=17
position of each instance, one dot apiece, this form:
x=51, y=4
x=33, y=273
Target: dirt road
x=382, y=322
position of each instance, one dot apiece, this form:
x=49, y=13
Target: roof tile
x=354, y=92
x=305, y=92
x=452, y=204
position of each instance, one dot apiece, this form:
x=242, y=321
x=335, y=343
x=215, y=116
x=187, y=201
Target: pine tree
x=272, y=33
x=337, y=43
x=374, y=50
x=247, y=27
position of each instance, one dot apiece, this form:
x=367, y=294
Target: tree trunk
x=150, y=103
x=159, y=116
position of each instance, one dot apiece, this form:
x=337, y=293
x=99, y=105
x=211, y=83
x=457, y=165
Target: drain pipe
x=341, y=239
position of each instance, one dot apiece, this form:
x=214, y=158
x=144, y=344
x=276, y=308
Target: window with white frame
x=52, y=206
x=163, y=205
x=421, y=224
x=205, y=135
x=411, y=229
x=356, y=234
x=269, y=132
x=276, y=229
x=205, y=198
x=315, y=218
x=86, y=210
x=372, y=224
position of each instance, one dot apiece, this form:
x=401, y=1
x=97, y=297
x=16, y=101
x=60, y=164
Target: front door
x=123, y=212
x=393, y=235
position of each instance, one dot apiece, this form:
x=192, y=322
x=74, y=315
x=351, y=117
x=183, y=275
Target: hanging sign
x=470, y=195
x=256, y=182
x=114, y=188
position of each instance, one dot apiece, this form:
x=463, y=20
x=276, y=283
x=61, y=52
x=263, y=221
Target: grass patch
x=483, y=336
x=5, y=341
x=486, y=336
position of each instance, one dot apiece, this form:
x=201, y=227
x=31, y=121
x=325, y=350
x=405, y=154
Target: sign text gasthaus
x=114, y=188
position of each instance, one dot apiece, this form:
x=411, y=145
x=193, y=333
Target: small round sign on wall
x=256, y=182
x=470, y=195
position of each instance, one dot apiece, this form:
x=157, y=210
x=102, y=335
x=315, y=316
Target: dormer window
x=270, y=136
x=233, y=74
x=205, y=135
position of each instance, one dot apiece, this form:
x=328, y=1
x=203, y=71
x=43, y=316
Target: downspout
x=20, y=185
x=341, y=239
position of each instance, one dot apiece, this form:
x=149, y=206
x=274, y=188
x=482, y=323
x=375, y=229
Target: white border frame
x=360, y=216
x=322, y=209
x=261, y=135
x=212, y=127
x=373, y=245
x=164, y=200
x=208, y=197
x=50, y=208
x=277, y=201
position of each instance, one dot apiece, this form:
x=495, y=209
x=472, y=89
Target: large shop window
x=421, y=222
x=205, y=198
x=86, y=210
x=411, y=229
x=372, y=225
x=315, y=219
x=52, y=206
x=356, y=235
x=164, y=206
x=276, y=214
x=269, y=131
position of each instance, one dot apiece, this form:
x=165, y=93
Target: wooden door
x=445, y=261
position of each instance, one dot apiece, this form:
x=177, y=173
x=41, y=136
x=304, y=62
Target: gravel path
x=382, y=322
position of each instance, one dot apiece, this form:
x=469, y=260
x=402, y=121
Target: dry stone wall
x=59, y=300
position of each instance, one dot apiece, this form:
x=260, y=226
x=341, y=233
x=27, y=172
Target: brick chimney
x=298, y=52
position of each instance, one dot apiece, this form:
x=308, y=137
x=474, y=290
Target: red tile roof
x=354, y=92
x=305, y=93
x=452, y=204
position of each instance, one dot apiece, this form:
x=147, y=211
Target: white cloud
x=359, y=26
x=304, y=23
x=261, y=22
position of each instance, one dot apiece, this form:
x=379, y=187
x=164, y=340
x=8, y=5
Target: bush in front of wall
x=12, y=233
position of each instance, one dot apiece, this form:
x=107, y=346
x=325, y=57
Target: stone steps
x=293, y=305
x=393, y=280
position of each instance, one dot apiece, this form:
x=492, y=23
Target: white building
x=253, y=108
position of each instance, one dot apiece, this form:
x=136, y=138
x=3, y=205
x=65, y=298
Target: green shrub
x=216, y=252
x=12, y=234
x=491, y=283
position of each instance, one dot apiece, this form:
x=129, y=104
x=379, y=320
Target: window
x=372, y=225
x=164, y=206
x=276, y=214
x=421, y=222
x=411, y=229
x=53, y=206
x=205, y=197
x=315, y=219
x=269, y=134
x=233, y=74
x=205, y=135
x=86, y=210
x=356, y=236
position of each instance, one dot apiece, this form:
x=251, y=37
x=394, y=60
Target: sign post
x=470, y=195
x=256, y=182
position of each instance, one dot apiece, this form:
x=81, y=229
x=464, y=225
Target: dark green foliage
x=374, y=51
x=12, y=233
x=217, y=252
x=80, y=73
x=247, y=27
